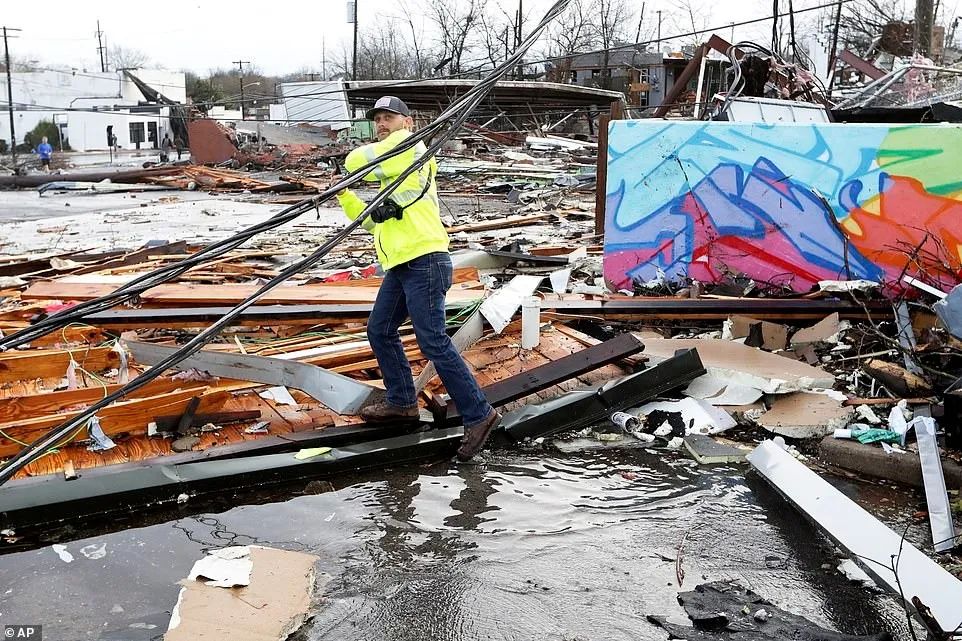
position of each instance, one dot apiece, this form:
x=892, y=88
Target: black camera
x=386, y=211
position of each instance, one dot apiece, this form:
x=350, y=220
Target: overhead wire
x=776, y=14
x=456, y=113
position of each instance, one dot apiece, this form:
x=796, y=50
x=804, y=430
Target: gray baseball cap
x=388, y=103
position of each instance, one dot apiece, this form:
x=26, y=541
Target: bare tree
x=572, y=31
x=382, y=54
x=863, y=21
x=19, y=64
x=690, y=19
x=126, y=58
x=455, y=21
x=613, y=19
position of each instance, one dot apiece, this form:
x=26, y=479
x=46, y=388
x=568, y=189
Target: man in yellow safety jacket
x=412, y=247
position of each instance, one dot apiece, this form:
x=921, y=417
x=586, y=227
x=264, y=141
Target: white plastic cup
x=530, y=322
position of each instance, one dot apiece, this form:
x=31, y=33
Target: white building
x=84, y=104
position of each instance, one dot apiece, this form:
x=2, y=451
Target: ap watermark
x=32, y=632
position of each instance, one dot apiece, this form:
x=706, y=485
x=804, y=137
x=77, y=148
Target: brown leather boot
x=475, y=436
x=384, y=412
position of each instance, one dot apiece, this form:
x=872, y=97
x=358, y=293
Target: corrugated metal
x=318, y=103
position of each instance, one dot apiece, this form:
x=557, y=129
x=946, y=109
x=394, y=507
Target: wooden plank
x=25, y=365
x=557, y=370
x=14, y=409
x=500, y=223
x=227, y=294
x=130, y=417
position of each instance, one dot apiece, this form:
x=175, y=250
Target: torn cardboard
x=824, y=331
x=805, y=415
x=743, y=365
x=757, y=333
x=271, y=607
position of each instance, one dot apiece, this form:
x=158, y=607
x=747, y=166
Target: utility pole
x=352, y=18
x=519, y=72
x=13, y=133
x=100, y=48
x=924, y=16
x=833, y=54
x=659, y=29
x=323, y=58
x=641, y=19
x=240, y=64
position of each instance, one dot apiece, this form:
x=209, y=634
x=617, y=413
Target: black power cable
x=458, y=113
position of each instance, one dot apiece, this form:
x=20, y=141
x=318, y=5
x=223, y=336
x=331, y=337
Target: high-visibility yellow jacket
x=420, y=230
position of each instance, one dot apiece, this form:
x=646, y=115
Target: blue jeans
x=417, y=289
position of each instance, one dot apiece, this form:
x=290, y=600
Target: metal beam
x=563, y=369
x=342, y=394
x=582, y=408
x=53, y=500
x=862, y=66
x=881, y=552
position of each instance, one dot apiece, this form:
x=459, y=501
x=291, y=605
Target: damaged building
x=87, y=107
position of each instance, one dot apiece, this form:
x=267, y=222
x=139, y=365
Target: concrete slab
x=707, y=450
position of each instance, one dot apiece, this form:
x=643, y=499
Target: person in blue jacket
x=45, y=151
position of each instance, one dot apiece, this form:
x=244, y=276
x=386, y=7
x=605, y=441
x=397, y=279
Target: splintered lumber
x=500, y=223
x=226, y=294
x=19, y=365
x=127, y=417
x=19, y=408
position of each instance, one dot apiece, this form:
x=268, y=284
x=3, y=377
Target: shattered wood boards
x=282, y=422
x=29, y=364
x=17, y=408
x=862, y=536
x=228, y=293
x=256, y=315
x=126, y=417
x=771, y=373
x=717, y=308
x=874, y=462
x=500, y=223
x=104, y=491
x=558, y=370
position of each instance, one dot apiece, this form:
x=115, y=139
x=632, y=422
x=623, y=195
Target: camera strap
x=427, y=186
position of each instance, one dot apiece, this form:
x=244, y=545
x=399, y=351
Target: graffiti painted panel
x=785, y=204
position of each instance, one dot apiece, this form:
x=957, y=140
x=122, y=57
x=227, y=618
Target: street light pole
x=240, y=64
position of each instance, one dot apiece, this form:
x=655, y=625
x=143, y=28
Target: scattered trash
x=855, y=574
x=626, y=421
x=62, y=552
x=311, y=452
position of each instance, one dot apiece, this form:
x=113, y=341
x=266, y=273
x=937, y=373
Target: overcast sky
x=279, y=37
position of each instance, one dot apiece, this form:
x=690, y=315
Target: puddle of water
x=561, y=547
